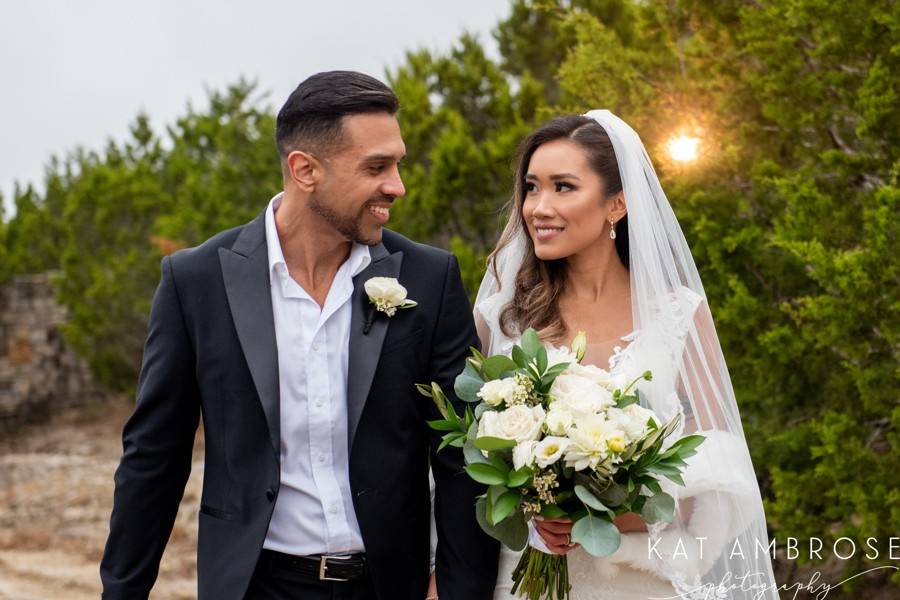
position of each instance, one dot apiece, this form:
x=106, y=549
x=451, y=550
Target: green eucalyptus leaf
x=482, y=408
x=659, y=508
x=473, y=455
x=597, y=535
x=512, y=531
x=468, y=384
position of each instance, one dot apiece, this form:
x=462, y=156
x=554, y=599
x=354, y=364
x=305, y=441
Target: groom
x=317, y=452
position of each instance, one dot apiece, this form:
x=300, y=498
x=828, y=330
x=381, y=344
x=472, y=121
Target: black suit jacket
x=211, y=352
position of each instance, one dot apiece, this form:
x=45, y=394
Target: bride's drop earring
x=612, y=229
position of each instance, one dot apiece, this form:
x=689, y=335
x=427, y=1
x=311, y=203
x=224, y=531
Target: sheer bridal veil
x=717, y=546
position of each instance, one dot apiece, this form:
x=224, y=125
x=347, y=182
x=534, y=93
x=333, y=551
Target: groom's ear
x=303, y=169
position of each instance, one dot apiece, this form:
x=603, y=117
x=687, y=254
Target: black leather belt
x=323, y=568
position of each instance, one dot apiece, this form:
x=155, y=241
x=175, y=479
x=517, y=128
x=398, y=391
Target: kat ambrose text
x=813, y=548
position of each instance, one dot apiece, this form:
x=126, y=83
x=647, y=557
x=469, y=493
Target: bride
x=592, y=245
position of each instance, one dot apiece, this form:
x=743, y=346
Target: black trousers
x=276, y=582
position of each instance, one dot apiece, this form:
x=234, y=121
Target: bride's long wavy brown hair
x=539, y=283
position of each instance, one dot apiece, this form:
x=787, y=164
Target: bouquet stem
x=541, y=576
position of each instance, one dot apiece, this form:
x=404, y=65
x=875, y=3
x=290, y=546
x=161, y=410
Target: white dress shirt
x=314, y=512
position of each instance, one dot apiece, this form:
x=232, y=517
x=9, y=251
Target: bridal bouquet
x=556, y=438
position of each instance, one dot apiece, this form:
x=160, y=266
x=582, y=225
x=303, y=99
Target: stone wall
x=39, y=374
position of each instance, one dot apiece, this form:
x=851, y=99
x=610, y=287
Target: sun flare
x=683, y=148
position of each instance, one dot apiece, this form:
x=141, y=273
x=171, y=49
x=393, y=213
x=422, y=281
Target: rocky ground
x=56, y=483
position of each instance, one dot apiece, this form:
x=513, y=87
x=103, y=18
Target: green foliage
x=109, y=265
x=31, y=241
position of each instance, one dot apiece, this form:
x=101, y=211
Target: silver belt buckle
x=323, y=566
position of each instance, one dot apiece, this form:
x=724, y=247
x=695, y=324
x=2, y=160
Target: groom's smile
x=382, y=213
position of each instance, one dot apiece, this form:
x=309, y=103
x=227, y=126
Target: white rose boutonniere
x=387, y=295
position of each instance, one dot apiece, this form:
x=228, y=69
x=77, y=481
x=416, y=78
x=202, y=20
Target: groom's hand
x=556, y=533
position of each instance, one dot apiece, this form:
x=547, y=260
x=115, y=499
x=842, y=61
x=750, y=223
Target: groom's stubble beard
x=348, y=226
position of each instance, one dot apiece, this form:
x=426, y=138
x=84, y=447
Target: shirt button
x=334, y=509
x=322, y=458
x=316, y=346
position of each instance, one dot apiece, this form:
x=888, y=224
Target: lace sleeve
x=718, y=498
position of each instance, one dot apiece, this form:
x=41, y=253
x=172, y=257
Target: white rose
x=498, y=391
x=568, y=382
x=386, y=289
x=549, y=450
x=519, y=423
x=583, y=400
x=595, y=374
x=487, y=424
x=523, y=454
x=559, y=419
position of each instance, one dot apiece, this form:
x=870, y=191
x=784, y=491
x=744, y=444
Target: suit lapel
x=245, y=270
x=365, y=348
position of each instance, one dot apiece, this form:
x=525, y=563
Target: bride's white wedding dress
x=632, y=573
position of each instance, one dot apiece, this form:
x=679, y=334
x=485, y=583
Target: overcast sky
x=77, y=72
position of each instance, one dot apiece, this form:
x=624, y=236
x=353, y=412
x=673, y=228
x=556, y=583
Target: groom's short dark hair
x=311, y=119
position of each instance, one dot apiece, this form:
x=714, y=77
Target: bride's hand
x=557, y=534
x=630, y=522
x=432, y=588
